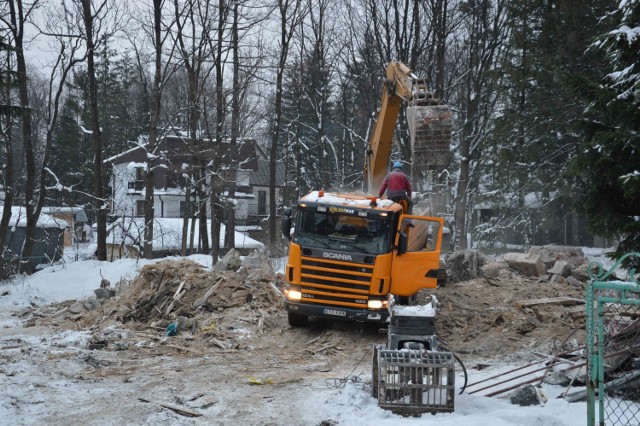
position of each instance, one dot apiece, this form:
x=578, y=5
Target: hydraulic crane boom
x=400, y=85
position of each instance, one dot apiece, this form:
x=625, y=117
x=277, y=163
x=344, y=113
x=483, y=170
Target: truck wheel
x=297, y=320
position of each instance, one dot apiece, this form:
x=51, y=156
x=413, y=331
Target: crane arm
x=397, y=88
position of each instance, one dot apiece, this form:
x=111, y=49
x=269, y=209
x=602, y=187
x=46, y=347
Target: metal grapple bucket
x=413, y=381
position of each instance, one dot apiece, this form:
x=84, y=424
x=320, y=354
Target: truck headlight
x=295, y=295
x=376, y=304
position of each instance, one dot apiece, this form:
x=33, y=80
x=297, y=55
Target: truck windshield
x=342, y=232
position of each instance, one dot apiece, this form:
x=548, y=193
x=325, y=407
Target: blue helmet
x=397, y=165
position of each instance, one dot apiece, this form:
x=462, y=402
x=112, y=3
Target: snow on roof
x=139, y=144
x=78, y=211
x=246, y=228
x=354, y=200
x=167, y=234
x=19, y=218
x=237, y=194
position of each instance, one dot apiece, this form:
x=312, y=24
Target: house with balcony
x=250, y=177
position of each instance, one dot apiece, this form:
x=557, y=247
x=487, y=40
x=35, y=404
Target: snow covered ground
x=34, y=395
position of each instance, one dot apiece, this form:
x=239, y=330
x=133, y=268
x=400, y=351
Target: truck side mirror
x=402, y=243
x=285, y=224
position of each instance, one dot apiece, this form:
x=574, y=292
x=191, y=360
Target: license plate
x=335, y=312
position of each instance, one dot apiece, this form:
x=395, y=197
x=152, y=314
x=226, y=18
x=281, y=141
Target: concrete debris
x=551, y=253
x=574, y=282
x=91, y=303
x=230, y=262
x=525, y=396
x=561, y=267
x=464, y=265
x=557, y=378
x=77, y=308
x=495, y=270
x=529, y=264
x=103, y=293
x=257, y=259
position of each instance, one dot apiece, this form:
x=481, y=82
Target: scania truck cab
x=348, y=254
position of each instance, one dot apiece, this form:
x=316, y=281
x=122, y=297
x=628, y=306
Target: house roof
x=178, y=150
x=78, y=212
x=19, y=219
x=260, y=177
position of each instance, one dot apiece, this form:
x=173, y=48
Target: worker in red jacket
x=397, y=186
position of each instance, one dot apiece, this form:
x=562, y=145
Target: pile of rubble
x=554, y=263
x=525, y=300
x=181, y=296
x=532, y=305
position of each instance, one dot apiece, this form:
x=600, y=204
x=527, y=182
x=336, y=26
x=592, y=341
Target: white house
x=251, y=195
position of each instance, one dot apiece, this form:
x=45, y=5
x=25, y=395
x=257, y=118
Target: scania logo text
x=336, y=256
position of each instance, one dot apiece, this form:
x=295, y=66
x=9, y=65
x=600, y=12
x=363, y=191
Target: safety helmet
x=397, y=165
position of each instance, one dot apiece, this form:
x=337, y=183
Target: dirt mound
x=489, y=317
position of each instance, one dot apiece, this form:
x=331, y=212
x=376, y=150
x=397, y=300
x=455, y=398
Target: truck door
x=417, y=267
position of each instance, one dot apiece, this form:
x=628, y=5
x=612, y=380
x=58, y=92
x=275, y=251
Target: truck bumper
x=337, y=312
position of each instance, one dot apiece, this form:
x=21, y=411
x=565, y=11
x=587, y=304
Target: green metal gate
x=613, y=344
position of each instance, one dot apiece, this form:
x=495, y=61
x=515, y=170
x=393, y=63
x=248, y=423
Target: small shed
x=49, y=238
x=75, y=217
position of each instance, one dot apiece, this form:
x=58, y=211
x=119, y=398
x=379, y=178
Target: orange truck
x=348, y=253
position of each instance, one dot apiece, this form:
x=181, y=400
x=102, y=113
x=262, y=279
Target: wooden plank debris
x=575, y=313
x=561, y=300
x=180, y=410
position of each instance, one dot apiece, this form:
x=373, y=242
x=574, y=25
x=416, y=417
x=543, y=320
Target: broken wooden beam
x=180, y=410
x=561, y=300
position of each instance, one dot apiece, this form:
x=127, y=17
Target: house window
x=140, y=207
x=183, y=208
x=262, y=203
x=139, y=173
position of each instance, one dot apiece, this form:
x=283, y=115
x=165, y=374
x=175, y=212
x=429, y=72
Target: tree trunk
x=187, y=215
x=230, y=241
x=216, y=209
x=156, y=95
x=7, y=173
x=100, y=200
x=17, y=20
x=287, y=24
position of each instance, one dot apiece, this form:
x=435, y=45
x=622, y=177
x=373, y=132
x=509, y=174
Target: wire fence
x=613, y=338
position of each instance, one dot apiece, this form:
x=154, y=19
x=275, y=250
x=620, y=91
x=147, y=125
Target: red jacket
x=396, y=184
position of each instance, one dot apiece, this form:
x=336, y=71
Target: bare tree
x=194, y=22
x=8, y=120
x=159, y=35
x=216, y=207
x=19, y=12
x=99, y=22
x=486, y=30
x=37, y=158
x=291, y=12
x=244, y=69
x=230, y=242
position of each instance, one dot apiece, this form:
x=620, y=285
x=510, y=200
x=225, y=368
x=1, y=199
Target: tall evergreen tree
x=608, y=165
x=538, y=131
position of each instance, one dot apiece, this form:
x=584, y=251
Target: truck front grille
x=335, y=282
